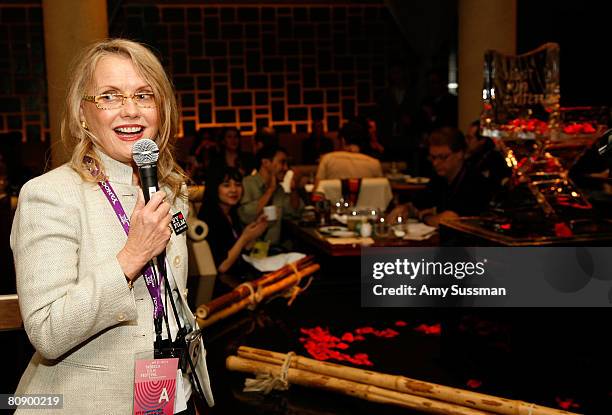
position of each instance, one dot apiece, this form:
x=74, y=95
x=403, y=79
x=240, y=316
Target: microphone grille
x=145, y=152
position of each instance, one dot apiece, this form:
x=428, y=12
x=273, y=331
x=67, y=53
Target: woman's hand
x=434, y=220
x=247, y=237
x=254, y=229
x=149, y=234
x=271, y=183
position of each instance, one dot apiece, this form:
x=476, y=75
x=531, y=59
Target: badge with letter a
x=155, y=386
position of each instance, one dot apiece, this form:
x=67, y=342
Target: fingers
x=156, y=199
x=164, y=226
x=157, y=205
x=140, y=202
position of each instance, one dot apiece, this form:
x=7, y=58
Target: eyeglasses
x=115, y=100
x=441, y=157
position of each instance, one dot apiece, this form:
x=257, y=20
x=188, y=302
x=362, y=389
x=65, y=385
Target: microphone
x=145, y=154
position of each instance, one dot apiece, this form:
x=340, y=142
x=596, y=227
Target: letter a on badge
x=163, y=396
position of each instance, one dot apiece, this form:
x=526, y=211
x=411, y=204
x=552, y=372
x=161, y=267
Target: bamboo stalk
x=403, y=384
x=351, y=388
x=241, y=291
x=266, y=291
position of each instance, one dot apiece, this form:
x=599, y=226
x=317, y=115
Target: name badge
x=179, y=223
x=155, y=386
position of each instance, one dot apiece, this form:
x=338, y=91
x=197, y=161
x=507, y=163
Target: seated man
x=264, y=189
x=484, y=158
x=455, y=190
x=349, y=162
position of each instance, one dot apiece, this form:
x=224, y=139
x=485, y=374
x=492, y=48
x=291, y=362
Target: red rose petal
x=474, y=383
x=434, y=330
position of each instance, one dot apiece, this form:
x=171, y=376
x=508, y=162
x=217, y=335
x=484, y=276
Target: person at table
x=317, y=143
x=264, y=189
x=204, y=149
x=455, y=190
x=79, y=260
x=227, y=237
x=350, y=162
x=230, y=154
x=484, y=158
x=376, y=149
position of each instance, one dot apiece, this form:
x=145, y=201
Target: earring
x=84, y=125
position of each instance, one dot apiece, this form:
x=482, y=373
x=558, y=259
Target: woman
x=227, y=239
x=203, y=151
x=230, y=154
x=84, y=306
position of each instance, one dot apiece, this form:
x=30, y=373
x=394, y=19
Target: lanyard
x=149, y=276
x=149, y=273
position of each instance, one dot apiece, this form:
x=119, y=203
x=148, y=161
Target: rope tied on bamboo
x=255, y=296
x=296, y=290
x=266, y=383
x=292, y=292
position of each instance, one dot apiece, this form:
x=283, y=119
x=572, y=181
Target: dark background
x=582, y=29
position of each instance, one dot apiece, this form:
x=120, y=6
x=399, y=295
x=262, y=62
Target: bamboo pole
x=266, y=291
x=403, y=384
x=351, y=388
x=241, y=291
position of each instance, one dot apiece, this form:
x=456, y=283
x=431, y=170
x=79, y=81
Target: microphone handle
x=149, y=184
x=148, y=180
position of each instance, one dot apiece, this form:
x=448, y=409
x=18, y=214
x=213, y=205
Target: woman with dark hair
x=226, y=237
x=203, y=150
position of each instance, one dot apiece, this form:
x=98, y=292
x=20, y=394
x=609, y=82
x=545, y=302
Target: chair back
x=201, y=264
x=374, y=192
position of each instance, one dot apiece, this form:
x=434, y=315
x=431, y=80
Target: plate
x=343, y=234
x=395, y=176
x=417, y=180
x=332, y=229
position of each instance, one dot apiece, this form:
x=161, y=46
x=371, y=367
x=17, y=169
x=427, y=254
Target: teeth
x=128, y=130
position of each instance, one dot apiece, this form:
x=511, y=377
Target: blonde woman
x=85, y=307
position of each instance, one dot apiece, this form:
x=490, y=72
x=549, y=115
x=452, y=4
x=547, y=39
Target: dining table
x=310, y=237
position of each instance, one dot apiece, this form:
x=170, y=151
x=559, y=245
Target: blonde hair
x=148, y=66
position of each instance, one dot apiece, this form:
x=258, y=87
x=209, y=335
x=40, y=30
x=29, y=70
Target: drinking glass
x=381, y=228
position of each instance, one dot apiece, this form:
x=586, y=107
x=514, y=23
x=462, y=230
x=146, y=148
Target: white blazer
x=84, y=322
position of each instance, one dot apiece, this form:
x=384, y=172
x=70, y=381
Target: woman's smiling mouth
x=129, y=132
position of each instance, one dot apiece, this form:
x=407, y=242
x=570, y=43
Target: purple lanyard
x=149, y=276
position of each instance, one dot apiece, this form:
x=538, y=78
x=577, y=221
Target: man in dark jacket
x=484, y=158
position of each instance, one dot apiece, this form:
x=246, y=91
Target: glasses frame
x=94, y=99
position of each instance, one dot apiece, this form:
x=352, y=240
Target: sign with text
x=486, y=277
x=521, y=93
x=154, y=386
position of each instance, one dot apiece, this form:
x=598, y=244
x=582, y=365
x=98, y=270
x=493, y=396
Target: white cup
x=366, y=229
x=271, y=212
